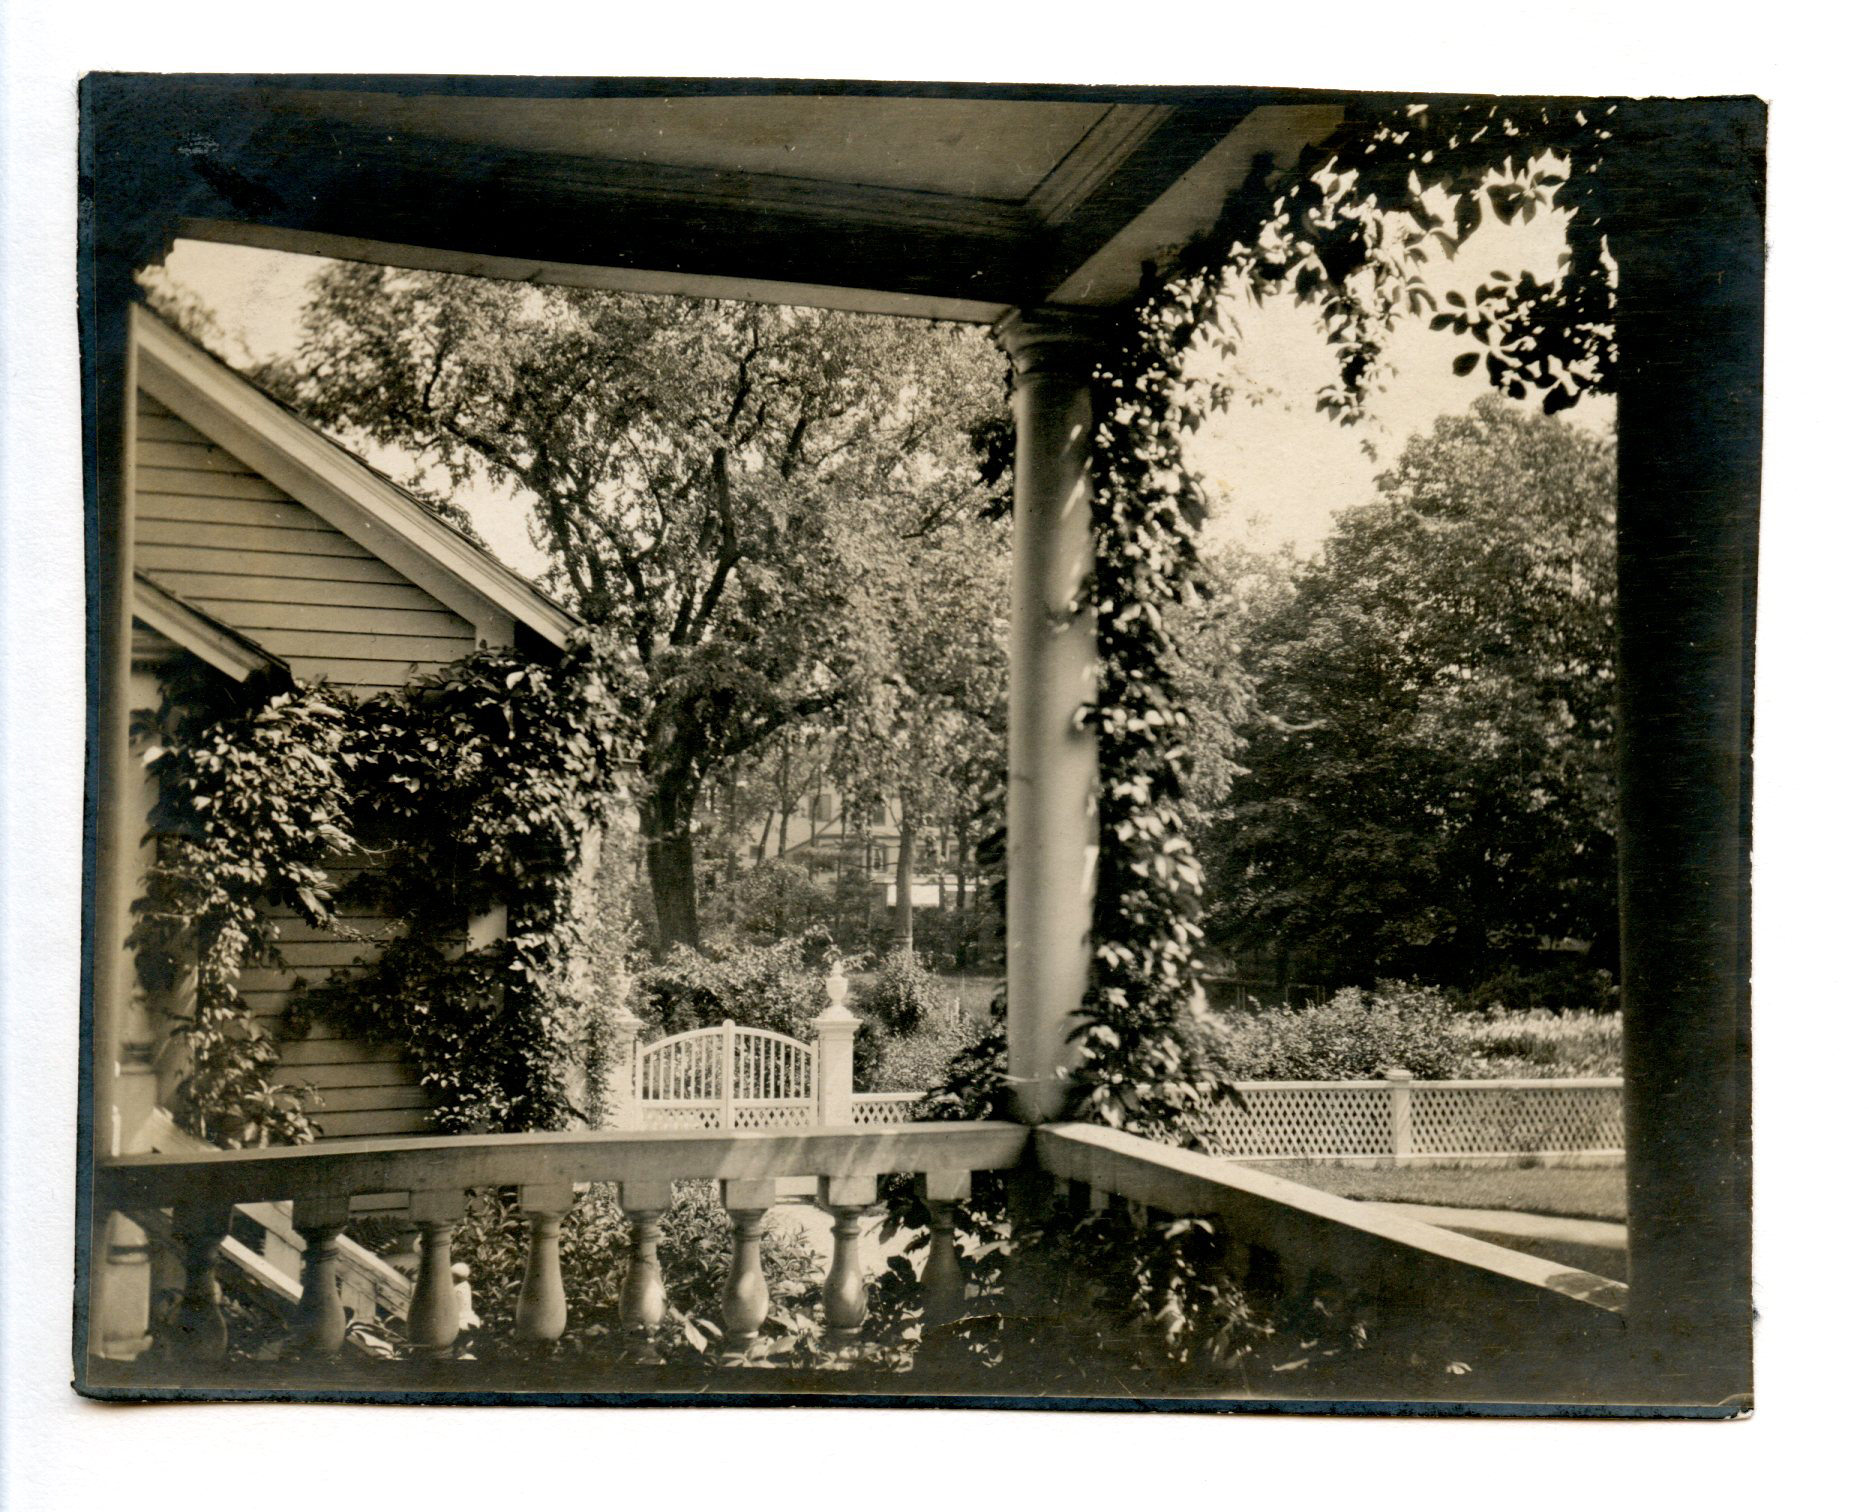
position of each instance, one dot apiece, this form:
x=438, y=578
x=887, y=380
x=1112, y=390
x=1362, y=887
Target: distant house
x=831, y=837
x=261, y=548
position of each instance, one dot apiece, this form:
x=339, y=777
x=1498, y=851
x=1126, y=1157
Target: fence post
x=726, y=1076
x=629, y=1061
x=836, y=1051
x=1401, y=1115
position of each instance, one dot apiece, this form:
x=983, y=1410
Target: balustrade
x=644, y=1302
x=200, y=1329
x=320, y=1221
x=846, y=1300
x=944, y=1288
x=745, y=1302
x=546, y=1169
x=540, y=1317
x=1267, y=1223
x=434, y=1310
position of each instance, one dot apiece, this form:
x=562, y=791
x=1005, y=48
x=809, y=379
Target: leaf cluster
x=474, y=785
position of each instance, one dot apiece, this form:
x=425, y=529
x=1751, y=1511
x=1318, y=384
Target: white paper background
x=61, y=1452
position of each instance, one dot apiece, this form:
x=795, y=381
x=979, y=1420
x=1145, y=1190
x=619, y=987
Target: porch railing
x=1298, y=1231
x=428, y=1180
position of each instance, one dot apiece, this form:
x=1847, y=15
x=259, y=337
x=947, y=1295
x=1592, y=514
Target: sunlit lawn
x=1565, y=1192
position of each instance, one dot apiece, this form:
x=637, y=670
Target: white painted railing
x=1401, y=1120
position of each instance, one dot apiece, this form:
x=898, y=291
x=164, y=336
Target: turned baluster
x=434, y=1311
x=944, y=1287
x=540, y=1316
x=846, y=1298
x=644, y=1303
x=744, y=1302
x=320, y=1321
x=200, y=1328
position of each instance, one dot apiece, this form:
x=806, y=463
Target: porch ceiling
x=950, y=201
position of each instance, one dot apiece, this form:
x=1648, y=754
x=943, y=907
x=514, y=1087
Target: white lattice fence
x=1300, y=1120
x=884, y=1107
x=1400, y=1119
x=1571, y=1117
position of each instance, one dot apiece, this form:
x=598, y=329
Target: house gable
x=213, y=532
x=297, y=463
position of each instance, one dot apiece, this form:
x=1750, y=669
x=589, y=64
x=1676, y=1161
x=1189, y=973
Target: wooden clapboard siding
x=278, y=594
x=363, y=1089
x=216, y=533
x=374, y=1124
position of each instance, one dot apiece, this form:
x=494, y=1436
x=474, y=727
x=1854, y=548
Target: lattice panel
x=1288, y=1121
x=1552, y=1118
x=774, y=1115
x=884, y=1107
x=681, y=1115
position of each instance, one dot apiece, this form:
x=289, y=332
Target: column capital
x=1048, y=339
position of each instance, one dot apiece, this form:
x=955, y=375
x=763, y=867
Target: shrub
x=916, y=1062
x=1538, y=1043
x=768, y=902
x=1355, y=1036
x=772, y=987
x=901, y=995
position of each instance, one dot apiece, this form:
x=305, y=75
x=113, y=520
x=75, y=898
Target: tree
x=932, y=735
x=1428, y=785
x=708, y=478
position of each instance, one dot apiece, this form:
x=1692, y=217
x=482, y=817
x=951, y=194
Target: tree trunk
x=733, y=822
x=904, y=938
x=785, y=795
x=668, y=833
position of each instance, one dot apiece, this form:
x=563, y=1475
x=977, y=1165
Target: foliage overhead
x=1357, y=226
x=1431, y=790
x=711, y=480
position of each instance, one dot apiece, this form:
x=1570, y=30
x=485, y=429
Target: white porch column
x=1051, y=803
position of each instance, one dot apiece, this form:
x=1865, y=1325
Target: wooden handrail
x=355, y=1167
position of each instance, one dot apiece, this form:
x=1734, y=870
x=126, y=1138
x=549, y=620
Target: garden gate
x=727, y=1077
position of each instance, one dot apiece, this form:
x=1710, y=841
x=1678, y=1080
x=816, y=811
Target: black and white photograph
x=886, y=742
x=903, y=740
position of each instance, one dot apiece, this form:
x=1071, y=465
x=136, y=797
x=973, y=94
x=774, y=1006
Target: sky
x=1277, y=470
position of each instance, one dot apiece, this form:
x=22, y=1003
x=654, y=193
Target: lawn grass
x=1561, y=1191
x=1598, y=1259
x=974, y=992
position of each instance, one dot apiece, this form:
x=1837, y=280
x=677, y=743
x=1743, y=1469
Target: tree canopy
x=1427, y=782
x=715, y=481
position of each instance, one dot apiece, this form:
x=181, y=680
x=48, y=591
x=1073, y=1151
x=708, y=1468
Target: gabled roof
x=221, y=646
x=337, y=486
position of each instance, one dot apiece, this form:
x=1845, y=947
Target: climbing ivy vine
x=1350, y=232
x=253, y=802
x=484, y=779
x=471, y=788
